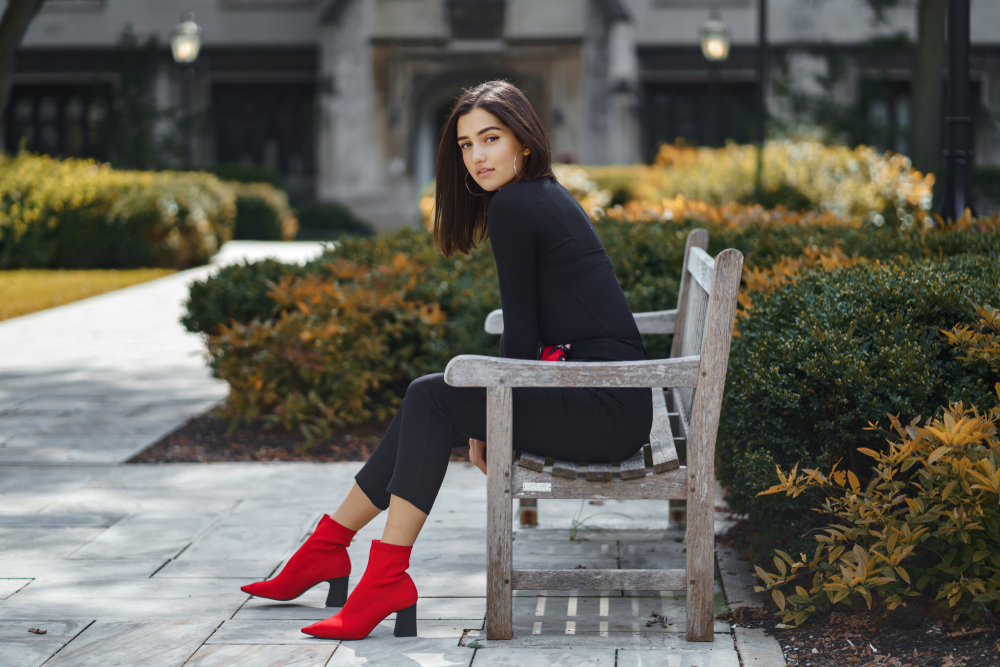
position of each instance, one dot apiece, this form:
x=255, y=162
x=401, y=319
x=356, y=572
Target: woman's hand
x=477, y=453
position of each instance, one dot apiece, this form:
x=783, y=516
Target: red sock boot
x=385, y=587
x=323, y=557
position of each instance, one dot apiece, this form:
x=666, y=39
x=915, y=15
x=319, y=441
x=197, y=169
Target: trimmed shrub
x=821, y=357
x=81, y=214
x=262, y=213
x=334, y=346
x=237, y=293
x=325, y=221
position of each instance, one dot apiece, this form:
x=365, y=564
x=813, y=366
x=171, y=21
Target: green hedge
x=80, y=214
x=263, y=214
x=647, y=259
x=823, y=356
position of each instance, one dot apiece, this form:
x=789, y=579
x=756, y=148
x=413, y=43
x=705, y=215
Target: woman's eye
x=491, y=139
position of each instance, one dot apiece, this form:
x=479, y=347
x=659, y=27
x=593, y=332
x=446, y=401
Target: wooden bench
x=691, y=381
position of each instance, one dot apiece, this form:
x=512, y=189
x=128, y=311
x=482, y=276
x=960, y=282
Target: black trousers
x=571, y=424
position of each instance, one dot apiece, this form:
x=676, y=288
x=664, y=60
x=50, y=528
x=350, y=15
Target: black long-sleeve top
x=557, y=283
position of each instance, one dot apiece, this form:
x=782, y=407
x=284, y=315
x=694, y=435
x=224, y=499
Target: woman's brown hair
x=459, y=215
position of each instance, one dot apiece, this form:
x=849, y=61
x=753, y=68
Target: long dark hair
x=459, y=215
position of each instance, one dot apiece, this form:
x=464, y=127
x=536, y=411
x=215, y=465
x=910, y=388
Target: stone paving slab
x=27, y=655
x=146, y=643
x=384, y=650
x=261, y=656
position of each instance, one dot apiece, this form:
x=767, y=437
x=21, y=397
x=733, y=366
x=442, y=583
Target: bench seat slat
x=661, y=438
x=531, y=462
x=599, y=472
x=567, y=469
x=599, y=580
x=635, y=466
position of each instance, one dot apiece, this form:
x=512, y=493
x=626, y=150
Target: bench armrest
x=473, y=370
x=655, y=322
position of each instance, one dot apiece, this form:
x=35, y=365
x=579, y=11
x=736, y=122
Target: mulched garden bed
x=921, y=634
x=205, y=439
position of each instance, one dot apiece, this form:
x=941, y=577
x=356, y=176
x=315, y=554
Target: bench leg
x=499, y=517
x=529, y=511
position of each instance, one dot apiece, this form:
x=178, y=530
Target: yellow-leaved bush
x=332, y=350
x=81, y=214
x=926, y=523
x=851, y=183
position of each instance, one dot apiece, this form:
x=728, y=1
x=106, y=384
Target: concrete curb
x=755, y=647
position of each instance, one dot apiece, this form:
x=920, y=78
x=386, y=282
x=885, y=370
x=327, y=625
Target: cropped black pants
x=571, y=424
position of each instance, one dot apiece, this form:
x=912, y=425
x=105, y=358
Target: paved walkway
x=142, y=564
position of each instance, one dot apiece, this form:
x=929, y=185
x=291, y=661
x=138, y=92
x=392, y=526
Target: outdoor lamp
x=186, y=40
x=714, y=40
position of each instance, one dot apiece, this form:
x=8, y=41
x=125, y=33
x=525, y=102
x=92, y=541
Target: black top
x=557, y=283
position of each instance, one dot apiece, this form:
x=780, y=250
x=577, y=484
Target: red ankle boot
x=385, y=587
x=323, y=557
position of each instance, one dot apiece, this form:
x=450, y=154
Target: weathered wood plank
x=656, y=322
x=702, y=267
x=530, y=484
x=698, y=238
x=633, y=467
x=661, y=437
x=599, y=580
x=499, y=517
x=531, y=462
x=599, y=472
x=565, y=469
x=473, y=370
x=704, y=428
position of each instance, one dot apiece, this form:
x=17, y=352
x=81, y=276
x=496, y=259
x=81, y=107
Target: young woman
x=557, y=287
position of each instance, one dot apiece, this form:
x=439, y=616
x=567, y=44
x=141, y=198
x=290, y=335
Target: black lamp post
x=185, y=44
x=958, y=156
x=761, y=84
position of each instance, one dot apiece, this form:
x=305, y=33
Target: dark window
x=266, y=124
x=65, y=121
x=886, y=115
x=476, y=19
x=690, y=111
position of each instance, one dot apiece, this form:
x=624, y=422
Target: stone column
x=623, y=80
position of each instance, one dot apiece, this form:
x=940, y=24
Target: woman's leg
x=403, y=523
x=356, y=510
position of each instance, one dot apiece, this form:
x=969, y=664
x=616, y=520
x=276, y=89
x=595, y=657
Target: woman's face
x=489, y=149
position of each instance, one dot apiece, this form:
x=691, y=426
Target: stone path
x=142, y=564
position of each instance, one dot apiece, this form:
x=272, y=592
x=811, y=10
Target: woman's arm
x=512, y=235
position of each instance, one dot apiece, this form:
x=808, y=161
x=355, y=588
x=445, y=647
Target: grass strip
x=26, y=291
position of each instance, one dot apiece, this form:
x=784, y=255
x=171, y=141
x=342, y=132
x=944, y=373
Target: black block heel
x=406, y=622
x=337, y=597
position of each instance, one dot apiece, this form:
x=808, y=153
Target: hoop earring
x=466, y=179
x=515, y=166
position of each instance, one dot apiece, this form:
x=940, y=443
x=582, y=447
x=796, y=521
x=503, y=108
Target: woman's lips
x=484, y=172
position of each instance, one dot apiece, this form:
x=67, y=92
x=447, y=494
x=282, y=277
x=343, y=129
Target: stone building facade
x=346, y=98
